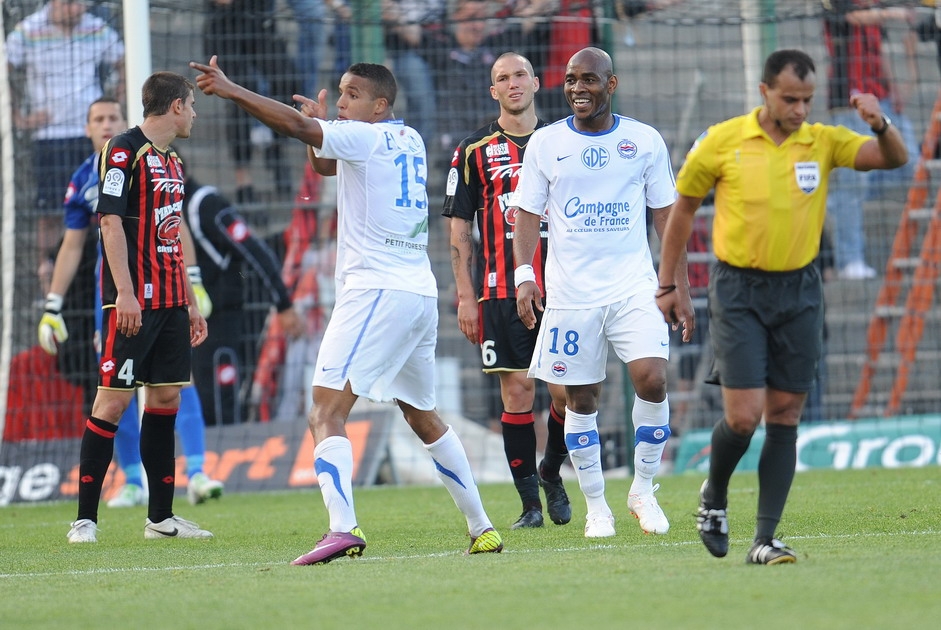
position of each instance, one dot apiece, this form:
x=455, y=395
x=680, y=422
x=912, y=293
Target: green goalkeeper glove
x=52, y=329
x=203, y=301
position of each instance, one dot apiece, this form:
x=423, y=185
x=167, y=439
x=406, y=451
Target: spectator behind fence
x=595, y=175
x=572, y=28
x=854, y=34
x=244, y=32
x=929, y=28
x=62, y=59
x=381, y=338
x=412, y=39
x=462, y=75
x=765, y=292
x=310, y=16
x=224, y=246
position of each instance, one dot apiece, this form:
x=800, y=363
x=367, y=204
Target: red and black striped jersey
x=484, y=172
x=144, y=186
x=856, y=60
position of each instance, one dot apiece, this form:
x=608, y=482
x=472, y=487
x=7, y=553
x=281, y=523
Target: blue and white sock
x=333, y=463
x=651, y=431
x=455, y=472
x=191, y=429
x=127, y=445
x=581, y=439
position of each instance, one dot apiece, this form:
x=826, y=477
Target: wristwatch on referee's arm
x=886, y=122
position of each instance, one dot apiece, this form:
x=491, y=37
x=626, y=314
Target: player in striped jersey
x=483, y=175
x=151, y=319
x=104, y=121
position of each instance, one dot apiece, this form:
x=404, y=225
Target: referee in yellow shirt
x=769, y=169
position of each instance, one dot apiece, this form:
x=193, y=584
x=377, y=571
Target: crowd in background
x=441, y=52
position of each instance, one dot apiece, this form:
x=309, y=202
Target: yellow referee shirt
x=770, y=200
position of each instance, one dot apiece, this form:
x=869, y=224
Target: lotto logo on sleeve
x=118, y=157
x=238, y=231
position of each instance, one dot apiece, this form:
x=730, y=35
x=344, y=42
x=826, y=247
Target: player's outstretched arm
x=280, y=117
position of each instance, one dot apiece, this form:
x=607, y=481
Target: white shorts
x=383, y=343
x=572, y=347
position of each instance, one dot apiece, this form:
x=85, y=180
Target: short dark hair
x=104, y=99
x=161, y=89
x=513, y=53
x=799, y=61
x=381, y=78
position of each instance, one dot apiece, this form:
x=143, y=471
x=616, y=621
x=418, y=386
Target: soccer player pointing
x=380, y=341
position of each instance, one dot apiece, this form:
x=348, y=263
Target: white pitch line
x=664, y=543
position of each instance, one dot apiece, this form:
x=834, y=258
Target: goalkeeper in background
x=105, y=120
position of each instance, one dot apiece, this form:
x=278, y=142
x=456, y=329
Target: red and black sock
x=157, y=450
x=555, y=446
x=519, y=443
x=94, y=459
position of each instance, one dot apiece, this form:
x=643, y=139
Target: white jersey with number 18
x=597, y=187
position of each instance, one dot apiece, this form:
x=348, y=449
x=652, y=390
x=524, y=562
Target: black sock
x=519, y=443
x=556, y=452
x=728, y=448
x=94, y=459
x=157, y=449
x=528, y=488
x=775, y=474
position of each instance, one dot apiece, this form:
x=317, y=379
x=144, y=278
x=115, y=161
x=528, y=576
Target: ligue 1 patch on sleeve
x=113, y=183
x=807, y=175
x=119, y=157
x=452, y=182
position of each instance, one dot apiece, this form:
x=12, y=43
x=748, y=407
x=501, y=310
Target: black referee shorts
x=766, y=327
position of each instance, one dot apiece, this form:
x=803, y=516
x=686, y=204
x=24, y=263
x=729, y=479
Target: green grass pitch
x=868, y=543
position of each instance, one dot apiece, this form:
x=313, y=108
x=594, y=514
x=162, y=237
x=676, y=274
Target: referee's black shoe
x=713, y=526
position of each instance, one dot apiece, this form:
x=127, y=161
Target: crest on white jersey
x=595, y=157
x=807, y=175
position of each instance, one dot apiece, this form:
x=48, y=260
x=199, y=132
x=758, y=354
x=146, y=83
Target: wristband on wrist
x=524, y=273
x=665, y=290
x=195, y=274
x=53, y=303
